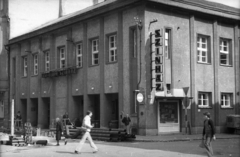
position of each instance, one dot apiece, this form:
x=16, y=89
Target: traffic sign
x=140, y=97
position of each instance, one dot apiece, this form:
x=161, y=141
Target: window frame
x=207, y=50
x=35, y=64
x=47, y=62
x=25, y=65
x=108, y=56
x=93, y=59
x=62, y=58
x=169, y=30
x=79, y=55
x=230, y=96
x=207, y=99
x=228, y=53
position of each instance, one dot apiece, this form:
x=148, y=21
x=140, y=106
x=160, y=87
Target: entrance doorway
x=77, y=108
x=23, y=110
x=168, y=116
x=46, y=113
x=34, y=112
x=94, y=101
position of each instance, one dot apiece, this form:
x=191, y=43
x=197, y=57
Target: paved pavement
x=104, y=151
x=180, y=137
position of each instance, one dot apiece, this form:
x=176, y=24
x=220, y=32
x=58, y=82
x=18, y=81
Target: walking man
x=87, y=125
x=59, y=131
x=208, y=133
x=126, y=120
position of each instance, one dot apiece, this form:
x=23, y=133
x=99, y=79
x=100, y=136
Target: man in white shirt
x=86, y=124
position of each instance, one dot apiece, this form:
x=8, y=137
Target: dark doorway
x=94, y=101
x=46, y=113
x=23, y=110
x=77, y=108
x=34, y=112
x=112, y=110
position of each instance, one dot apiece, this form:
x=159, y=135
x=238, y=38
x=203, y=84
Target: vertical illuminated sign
x=156, y=40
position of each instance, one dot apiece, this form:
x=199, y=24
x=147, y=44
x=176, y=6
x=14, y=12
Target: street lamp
x=139, y=28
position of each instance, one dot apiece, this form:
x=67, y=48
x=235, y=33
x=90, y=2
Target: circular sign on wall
x=140, y=97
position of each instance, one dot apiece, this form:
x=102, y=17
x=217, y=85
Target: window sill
x=204, y=63
x=111, y=62
x=223, y=65
x=226, y=107
x=24, y=76
x=79, y=67
x=133, y=115
x=34, y=75
x=94, y=65
x=204, y=107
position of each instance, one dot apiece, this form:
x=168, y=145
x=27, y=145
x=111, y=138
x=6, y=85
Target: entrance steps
x=102, y=134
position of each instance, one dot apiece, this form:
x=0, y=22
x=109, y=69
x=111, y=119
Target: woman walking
x=87, y=125
x=59, y=131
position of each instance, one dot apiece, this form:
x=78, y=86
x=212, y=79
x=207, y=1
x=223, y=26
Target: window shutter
x=209, y=49
x=230, y=53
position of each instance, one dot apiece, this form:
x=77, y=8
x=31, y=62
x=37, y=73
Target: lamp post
x=139, y=28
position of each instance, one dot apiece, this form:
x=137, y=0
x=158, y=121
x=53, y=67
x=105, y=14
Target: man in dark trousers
x=126, y=121
x=59, y=131
x=208, y=133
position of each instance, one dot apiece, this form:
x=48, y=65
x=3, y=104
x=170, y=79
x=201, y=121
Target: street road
x=222, y=148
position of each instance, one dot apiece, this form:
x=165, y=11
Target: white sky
x=28, y=14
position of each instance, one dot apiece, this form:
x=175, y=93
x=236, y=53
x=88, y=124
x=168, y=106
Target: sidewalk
x=180, y=137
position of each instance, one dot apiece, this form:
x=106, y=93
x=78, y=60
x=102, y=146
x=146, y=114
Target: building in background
x=4, y=79
x=101, y=57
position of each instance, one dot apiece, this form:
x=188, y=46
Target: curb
x=180, y=140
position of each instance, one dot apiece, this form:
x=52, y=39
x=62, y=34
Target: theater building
x=101, y=57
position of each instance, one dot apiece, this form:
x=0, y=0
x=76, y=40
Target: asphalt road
x=222, y=148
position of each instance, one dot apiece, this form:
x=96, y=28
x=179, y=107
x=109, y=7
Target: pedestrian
x=208, y=133
x=126, y=121
x=28, y=133
x=59, y=131
x=86, y=124
x=18, y=119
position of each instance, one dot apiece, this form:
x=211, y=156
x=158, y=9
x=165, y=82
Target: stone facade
x=109, y=87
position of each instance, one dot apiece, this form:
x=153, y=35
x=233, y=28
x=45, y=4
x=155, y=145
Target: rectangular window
x=112, y=48
x=25, y=66
x=204, y=99
x=95, y=52
x=167, y=43
x=35, y=64
x=203, y=49
x=79, y=55
x=62, y=57
x=47, y=61
x=225, y=52
x=226, y=100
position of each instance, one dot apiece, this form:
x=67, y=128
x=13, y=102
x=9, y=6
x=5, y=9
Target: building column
x=120, y=65
x=70, y=63
x=193, y=70
x=237, y=69
x=28, y=93
x=103, y=105
x=85, y=70
x=52, y=90
x=41, y=115
x=215, y=69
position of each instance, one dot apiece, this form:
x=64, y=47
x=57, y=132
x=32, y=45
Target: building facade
x=4, y=77
x=101, y=57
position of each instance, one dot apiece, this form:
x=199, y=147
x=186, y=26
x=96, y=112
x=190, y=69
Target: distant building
x=101, y=57
x=4, y=80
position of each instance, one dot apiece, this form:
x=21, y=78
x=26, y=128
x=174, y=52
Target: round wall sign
x=140, y=97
